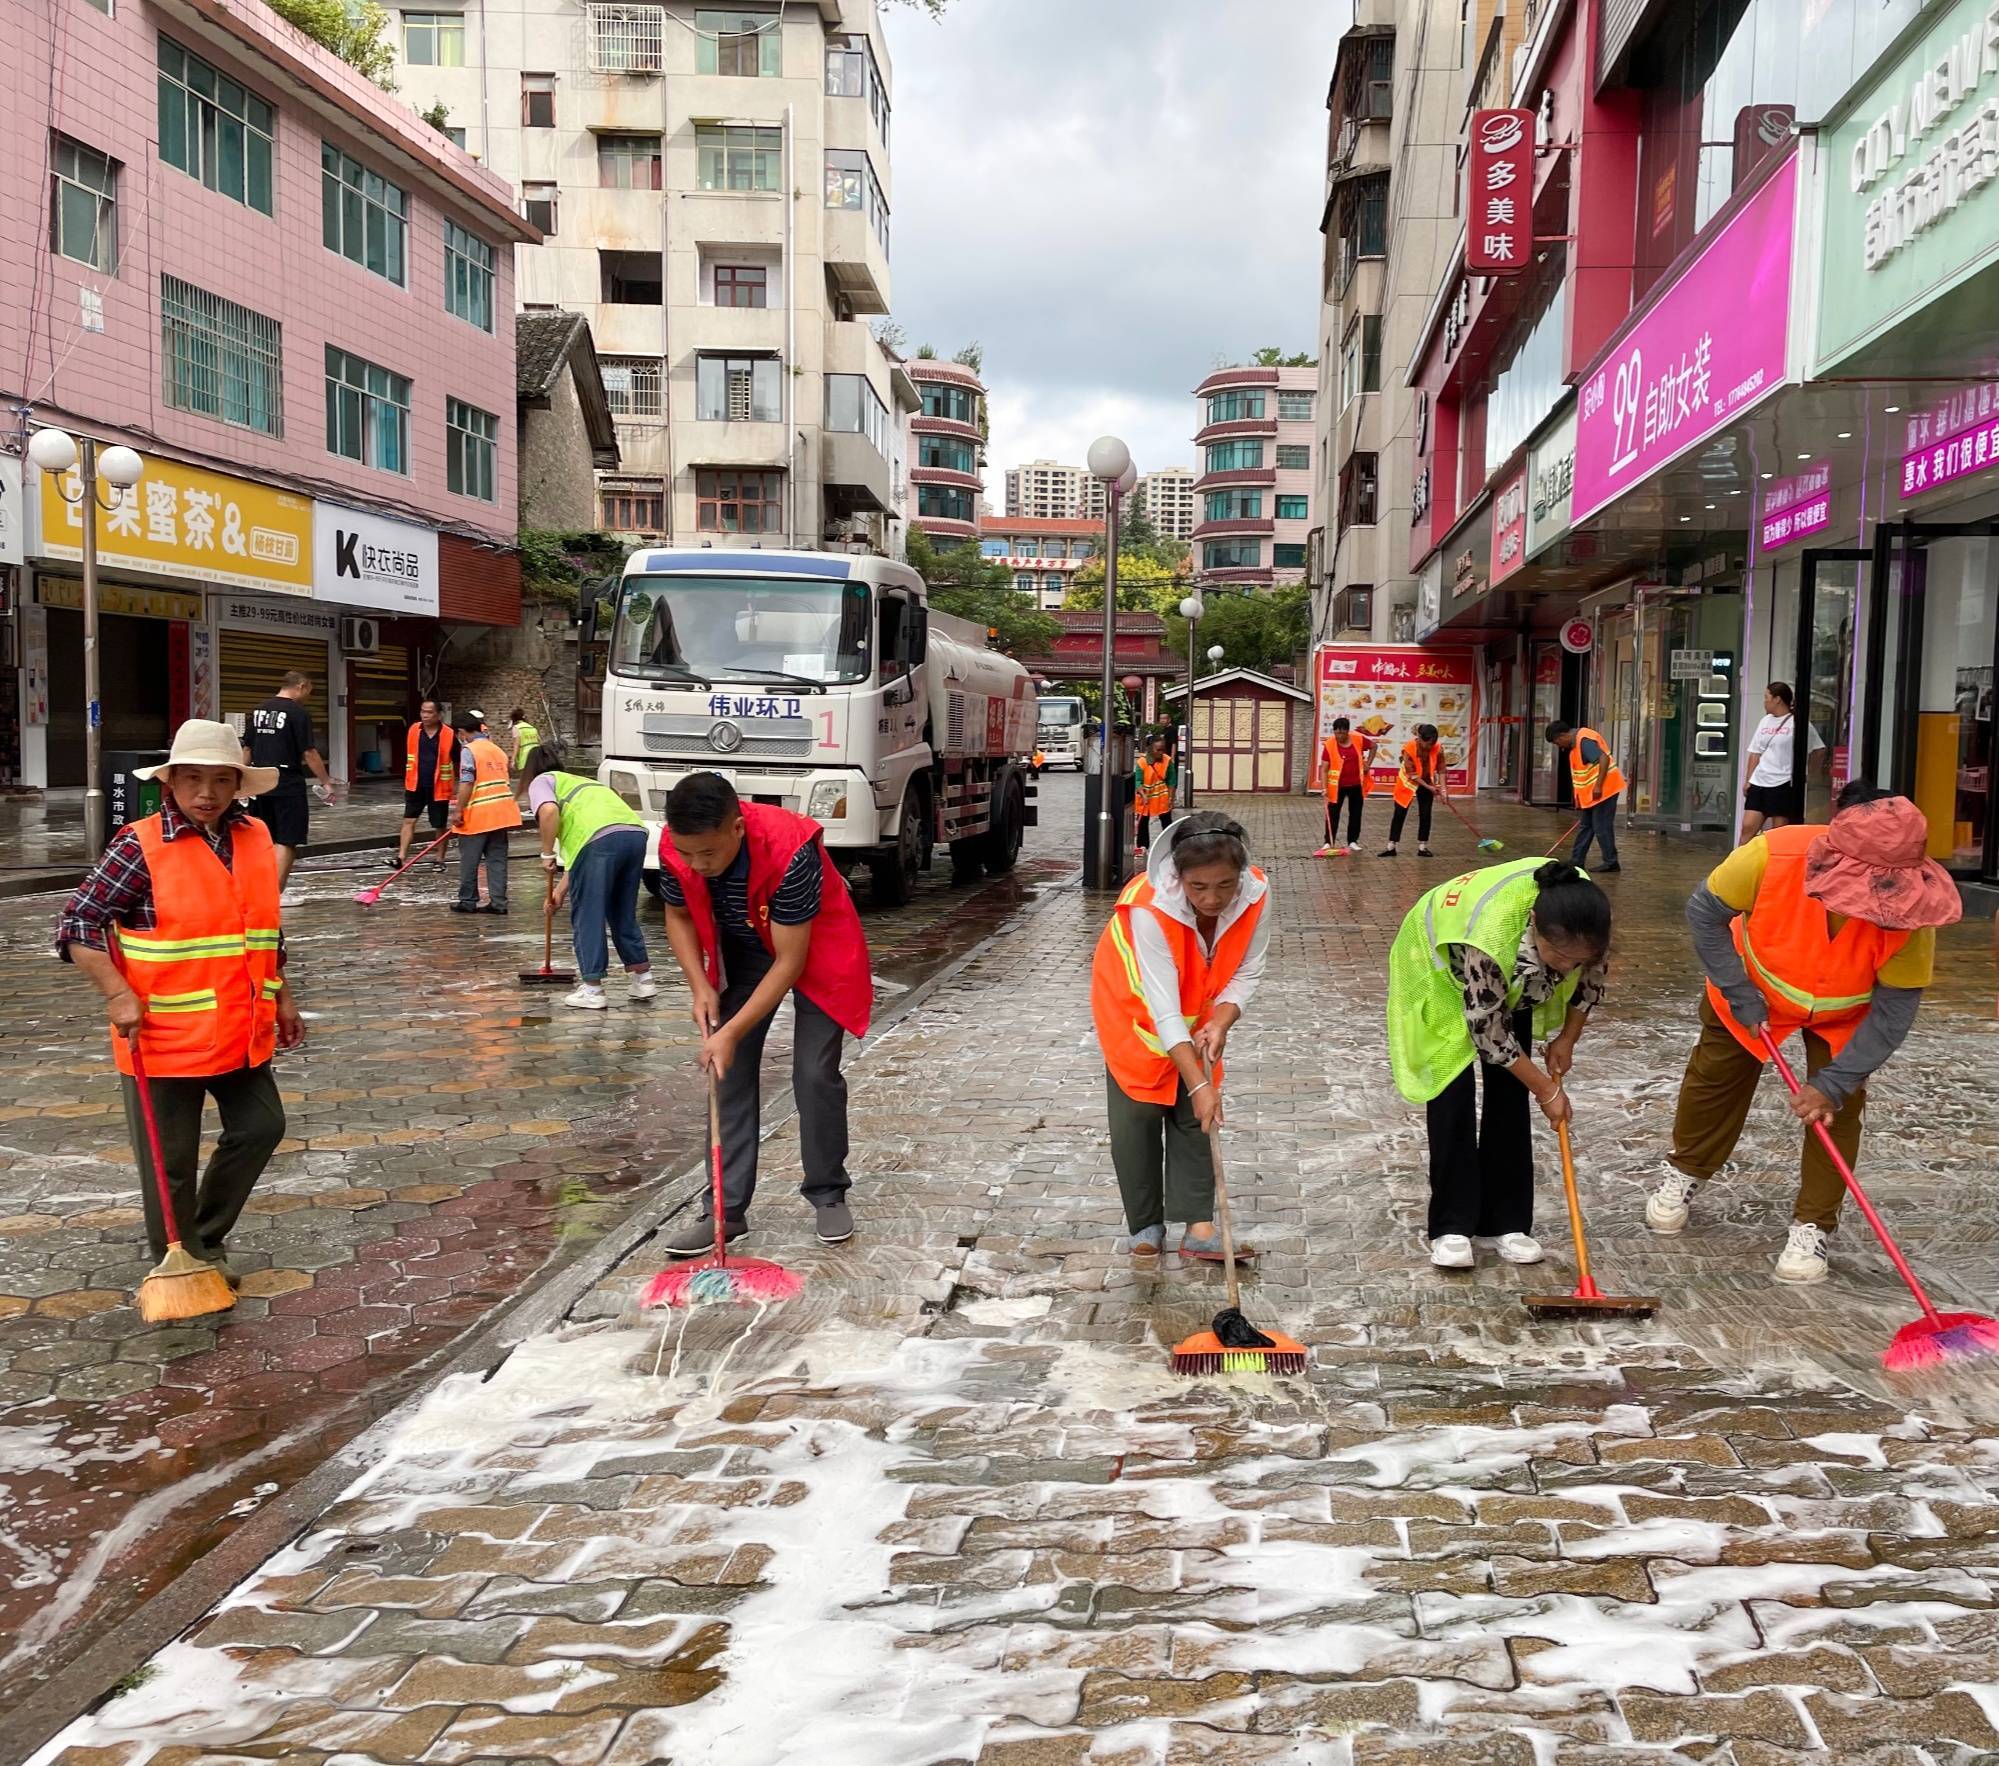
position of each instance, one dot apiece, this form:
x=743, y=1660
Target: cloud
x=1108, y=195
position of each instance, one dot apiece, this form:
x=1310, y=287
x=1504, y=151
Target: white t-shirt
x=1772, y=746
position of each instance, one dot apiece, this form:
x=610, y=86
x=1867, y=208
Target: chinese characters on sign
x=746, y=705
x=1499, y=212
x=1951, y=440
x=1509, y=527
x=1384, y=692
x=1677, y=375
x=1794, y=507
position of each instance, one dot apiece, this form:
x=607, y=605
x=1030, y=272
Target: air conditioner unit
x=360, y=636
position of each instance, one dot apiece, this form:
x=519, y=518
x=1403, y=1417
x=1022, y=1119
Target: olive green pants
x=1721, y=1080
x=1165, y=1167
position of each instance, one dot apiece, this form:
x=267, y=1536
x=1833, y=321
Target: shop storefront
x=258, y=640
x=389, y=572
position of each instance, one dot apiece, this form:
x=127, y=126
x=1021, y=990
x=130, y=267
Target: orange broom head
x=1956, y=1336
x=1205, y=1353
x=182, y=1286
x=707, y=1281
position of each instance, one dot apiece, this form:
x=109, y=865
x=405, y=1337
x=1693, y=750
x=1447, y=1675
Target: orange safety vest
x=1117, y=1000
x=1360, y=747
x=1593, y=783
x=492, y=803
x=1151, y=797
x=441, y=788
x=1416, y=771
x=1809, y=975
x=207, y=972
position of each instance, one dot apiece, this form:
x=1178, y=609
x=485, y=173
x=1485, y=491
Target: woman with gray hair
x=1174, y=969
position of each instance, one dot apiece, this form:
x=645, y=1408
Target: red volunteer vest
x=837, y=977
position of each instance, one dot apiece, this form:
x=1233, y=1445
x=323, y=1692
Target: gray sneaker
x=835, y=1222
x=697, y=1238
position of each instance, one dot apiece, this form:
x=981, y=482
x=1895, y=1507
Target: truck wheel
x=1002, y=843
x=896, y=871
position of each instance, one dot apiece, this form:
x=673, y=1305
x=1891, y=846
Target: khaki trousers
x=1721, y=1080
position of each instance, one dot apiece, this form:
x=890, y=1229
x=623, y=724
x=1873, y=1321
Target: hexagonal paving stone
x=115, y=1379
x=264, y=1284
x=81, y=1302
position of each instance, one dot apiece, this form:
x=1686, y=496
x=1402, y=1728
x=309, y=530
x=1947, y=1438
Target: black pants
x=1482, y=1164
x=1353, y=800
x=1598, y=823
x=816, y=1082
x=1144, y=836
x=253, y=1122
x=1426, y=803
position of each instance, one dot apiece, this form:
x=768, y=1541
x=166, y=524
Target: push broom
x=1588, y=1301
x=719, y=1279
x=548, y=975
x=180, y=1285
x=1232, y=1345
x=368, y=897
x=1935, y=1337
x=1484, y=844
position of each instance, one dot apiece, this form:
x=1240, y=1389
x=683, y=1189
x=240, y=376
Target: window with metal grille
x=471, y=450
x=1363, y=223
x=83, y=205
x=434, y=39
x=1294, y=407
x=367, y=412
x=625, y=39
x=748, y=45
x=733, y=158
x=631, y=385
x=739, y=502
x=632, y=506
x=628, y=162
x=537, y=101
x=738, y=389
x=1358, y=493
x=214, y=130
x=220, y=359
x=1294, y=457
x=1364, y=90
x=468, y=276
x=538, y=204
x=742, y=285
x=362, y=215
x=1353, y=608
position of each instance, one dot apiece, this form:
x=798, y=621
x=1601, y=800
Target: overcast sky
x=1110, y=195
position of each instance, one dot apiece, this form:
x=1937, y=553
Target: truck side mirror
x=919, y=634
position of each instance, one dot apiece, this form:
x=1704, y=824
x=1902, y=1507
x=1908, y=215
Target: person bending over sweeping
x=601, y=845
x=190, y=896
x=1420, y=779
x=1483, y=965
x=1174, y=969
x=755, y=910
x=1829, y=929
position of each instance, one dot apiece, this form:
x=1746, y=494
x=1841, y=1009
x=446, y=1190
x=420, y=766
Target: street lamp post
x=1191, y=611
x=55, y=451
x=1110, y=462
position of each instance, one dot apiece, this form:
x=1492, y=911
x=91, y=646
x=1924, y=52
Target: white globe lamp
x=53, y=450
x=120, y=466
x=1108, y=457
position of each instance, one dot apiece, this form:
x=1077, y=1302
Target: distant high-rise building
x=945, y=472
x=1046, y=490
x=1166, y=499
x=1255, y=431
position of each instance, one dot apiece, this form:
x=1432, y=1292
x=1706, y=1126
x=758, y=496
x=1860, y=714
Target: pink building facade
x=225, y=248
x=1253, y=515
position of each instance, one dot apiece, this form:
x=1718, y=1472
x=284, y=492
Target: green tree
x=1255, y=631
x=1144, y=585
x=355, y=30
x=438, y=116
x=966, y=585
x=1270, y=356
x=926, y=352
x=972, y=356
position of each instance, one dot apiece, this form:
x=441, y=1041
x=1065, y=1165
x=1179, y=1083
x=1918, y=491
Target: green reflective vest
x=526, y=740
x=582, y=807
x=1429, y=1044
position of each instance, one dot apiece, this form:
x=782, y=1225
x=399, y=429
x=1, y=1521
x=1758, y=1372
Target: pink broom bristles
x=1955, y=1336
x=745, y=1281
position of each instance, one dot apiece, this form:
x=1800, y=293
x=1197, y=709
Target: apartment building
x=1254, y=433
x=947, y=435
x=1166, y=499
x=1044, y=553
x=224, y=248
x=712, y=188
x=1047, y=490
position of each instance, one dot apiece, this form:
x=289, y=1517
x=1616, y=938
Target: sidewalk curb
x=83, y=1684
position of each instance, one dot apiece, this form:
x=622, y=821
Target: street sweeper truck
x=824, y=682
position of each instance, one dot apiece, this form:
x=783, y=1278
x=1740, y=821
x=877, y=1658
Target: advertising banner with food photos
x=1386, y=690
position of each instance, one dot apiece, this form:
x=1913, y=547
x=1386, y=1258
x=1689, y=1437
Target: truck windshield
x=717, y=628
x=1057, y=714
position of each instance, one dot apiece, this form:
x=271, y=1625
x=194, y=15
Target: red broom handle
x=1460, y=814
x=153, y=1142
x=1840, y=1165
x=420, y=857
x=715, y=1169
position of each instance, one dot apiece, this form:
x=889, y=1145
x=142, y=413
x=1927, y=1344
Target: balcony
x=1249, y=477
x=1245, y=524
x=945, y=526
x=966, y=481
x=1243, y=426
x=1239, y=573
x=853, y=463
x=856, y=260
x=728, y=330
x=1224, y=378
x=922, y=424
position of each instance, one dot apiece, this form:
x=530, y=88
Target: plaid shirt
x=119, y=891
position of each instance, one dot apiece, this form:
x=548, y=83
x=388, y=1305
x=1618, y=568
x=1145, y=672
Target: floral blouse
x=1489, y=1016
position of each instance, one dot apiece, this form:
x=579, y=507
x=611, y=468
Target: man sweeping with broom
x=177, y=926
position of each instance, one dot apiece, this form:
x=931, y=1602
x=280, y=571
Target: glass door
x=1828, y=612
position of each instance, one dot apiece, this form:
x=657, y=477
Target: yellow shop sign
x=181, y=521
x=137, y=603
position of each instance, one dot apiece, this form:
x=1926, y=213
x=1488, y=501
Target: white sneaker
x=643, y=987
x=1666, y=1207
x=1324, y=852
x=1520, y=1248
x=1451, y=1251
x=1353, y=850
x=588, y=997
x=1803, y=1258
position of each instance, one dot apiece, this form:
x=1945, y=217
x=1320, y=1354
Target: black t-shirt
x=279, y=733
x=795, y=900
x=426, y=755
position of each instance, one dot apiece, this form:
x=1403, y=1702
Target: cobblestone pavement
x=454, y=1137
x=951, y=1507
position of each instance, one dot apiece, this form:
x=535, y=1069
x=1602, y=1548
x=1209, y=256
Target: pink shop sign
x=1712, y=348
x=1795, y=507
x=1952, y=440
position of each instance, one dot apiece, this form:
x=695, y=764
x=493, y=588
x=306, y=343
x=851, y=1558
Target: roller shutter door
x=254, y=665
x=379, y=705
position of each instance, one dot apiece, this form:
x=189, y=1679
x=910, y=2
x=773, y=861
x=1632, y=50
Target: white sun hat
x=200, y=742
